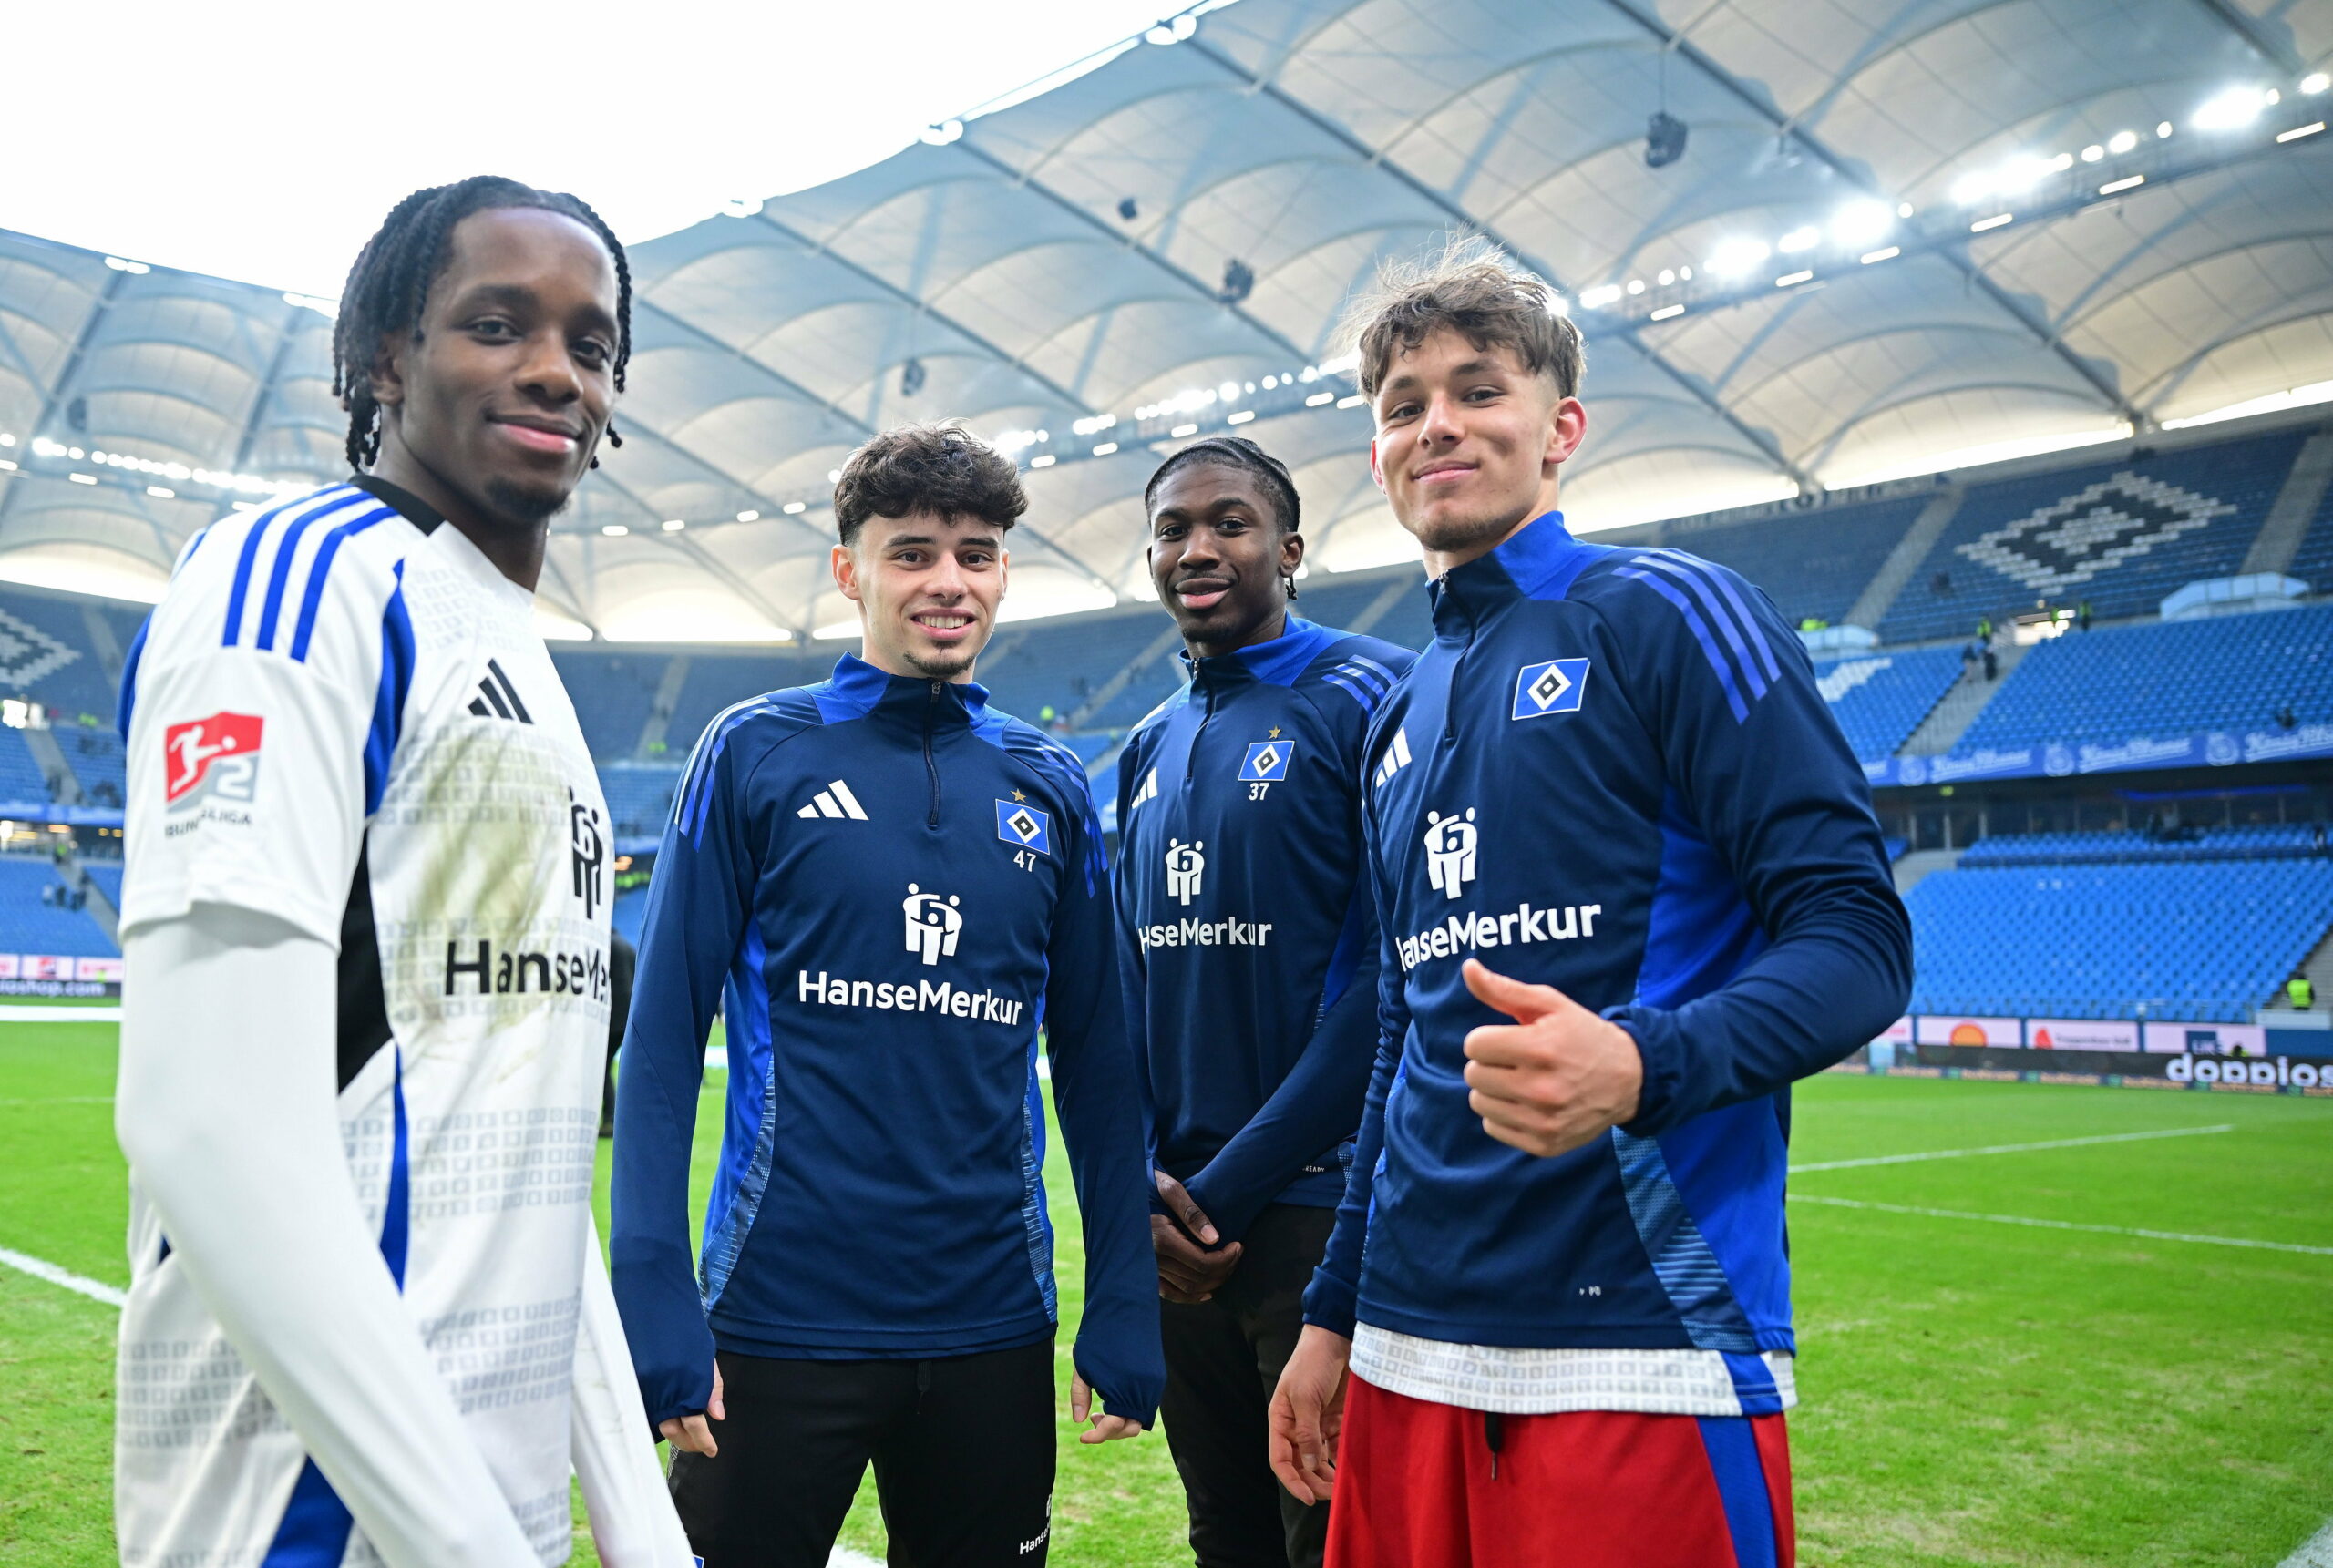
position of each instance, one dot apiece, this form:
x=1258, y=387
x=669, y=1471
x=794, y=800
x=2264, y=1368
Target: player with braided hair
x=366, y=901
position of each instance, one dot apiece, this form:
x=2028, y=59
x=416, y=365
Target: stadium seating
x=2185, y=943
x=48, y=651
x=1811, y=565
x=1880, y=698
x=2186, y=514
x=20, y=775
x=2109, y=686
x=2313, y=561
x=29, y=926
x=640, y=796
x=2265, y=841
x=94, y=753
x=612, y=694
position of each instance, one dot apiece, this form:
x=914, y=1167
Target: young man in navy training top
x=1632, y=889
x=896, y=885
x=1249, y=948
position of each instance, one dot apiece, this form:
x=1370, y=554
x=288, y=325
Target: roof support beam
x=925, y=308
x=1676, y=43
x=54, y=394
x=2277, y=52
x=1376, y=158
x=1198, y=286
x=786, y=383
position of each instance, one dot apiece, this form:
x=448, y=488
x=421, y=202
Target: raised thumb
x=1521, y=1002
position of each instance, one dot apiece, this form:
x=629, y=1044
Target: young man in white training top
x=365, y=920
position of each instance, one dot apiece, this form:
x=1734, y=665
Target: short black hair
x=389, y=285
x=938, y=467
x=1235, y=452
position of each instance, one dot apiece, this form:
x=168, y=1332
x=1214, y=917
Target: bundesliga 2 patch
x=1551, y=688
x=1023, y=826
x=214, y=756
x=1266, y=762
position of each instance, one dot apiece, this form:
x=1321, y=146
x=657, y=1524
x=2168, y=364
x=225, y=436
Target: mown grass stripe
x=2062, y=1224
x=2007, y=1148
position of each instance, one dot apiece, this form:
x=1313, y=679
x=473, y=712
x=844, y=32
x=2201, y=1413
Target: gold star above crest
x=1018, y=796
x=1275, y=732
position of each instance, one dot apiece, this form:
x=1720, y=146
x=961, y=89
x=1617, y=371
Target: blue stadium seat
x=2313, y=561
x=640, y=796
x=612, y=694
x=94, y=753
x=2261, y=841
x=29, y=926
x=20, y=777
x=2229, y=673
x=2181, y=942
x=1879, y=698
x=1814, y=565
x=2184, y=515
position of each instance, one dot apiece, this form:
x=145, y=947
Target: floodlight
x=1239, y=283
x=1804, y=239
x=1735, y=257
x=2231, y=110
x=2121, y=141
x=1861, y=223
x=2316, y=82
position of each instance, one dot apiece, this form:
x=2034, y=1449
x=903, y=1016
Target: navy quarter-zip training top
x=1611, y=773
x=1248, y=936
x=894, y=885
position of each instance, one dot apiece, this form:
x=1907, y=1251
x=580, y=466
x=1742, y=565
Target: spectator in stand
x=2301, y=991
x=2284, y=719
x=2081, y=615
x=1992, y=663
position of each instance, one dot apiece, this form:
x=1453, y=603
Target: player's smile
x=1217, y=556
x=551, y=437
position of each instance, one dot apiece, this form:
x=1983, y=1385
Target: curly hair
x=938, y=467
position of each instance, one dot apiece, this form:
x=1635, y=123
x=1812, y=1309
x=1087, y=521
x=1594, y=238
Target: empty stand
x=2175, y=942
x=29, y=926
x=2234, y=673
x=2121, y=534
x=1880, y=698
x=612, y=694
x=640, y=796
x=94, y=753
x=20, y=776
x=1812, y=565
x=2258, y=841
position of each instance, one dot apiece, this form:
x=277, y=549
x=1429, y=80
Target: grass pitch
x=1975, y=1392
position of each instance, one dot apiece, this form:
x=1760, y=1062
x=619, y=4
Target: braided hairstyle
x=1238, y=452
x=389, y=286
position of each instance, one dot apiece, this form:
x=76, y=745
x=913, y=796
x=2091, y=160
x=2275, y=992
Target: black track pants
x=963, y=1448
x=1223, y=1360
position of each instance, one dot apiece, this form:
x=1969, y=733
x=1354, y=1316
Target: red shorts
x=1594, y=1489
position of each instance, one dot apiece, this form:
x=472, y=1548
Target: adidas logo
x=497, y=698
x=1149, y=790
x=835, y=800
x=1397, y=757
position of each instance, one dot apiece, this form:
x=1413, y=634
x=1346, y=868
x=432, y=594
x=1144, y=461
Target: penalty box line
x=2010, y=1148
x=2062, y=1224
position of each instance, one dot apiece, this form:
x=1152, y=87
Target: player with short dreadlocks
x=366, y=905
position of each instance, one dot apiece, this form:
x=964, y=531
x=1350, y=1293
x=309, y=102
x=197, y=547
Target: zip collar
x=1277, y=662
x=860, y=691
x=1538, y=561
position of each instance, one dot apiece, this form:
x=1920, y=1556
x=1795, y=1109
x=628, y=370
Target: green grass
x=1974, y=1393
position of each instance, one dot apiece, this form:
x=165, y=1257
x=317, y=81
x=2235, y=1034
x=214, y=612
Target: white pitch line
x=29, y=1014
x=2009, y=1148
x=845, y=1557
x=2316, y=1552
x=96, y=1290
x=2062, y=1224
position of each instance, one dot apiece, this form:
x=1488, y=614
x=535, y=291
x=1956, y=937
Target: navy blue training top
x=893, y=885
x=1612, y=773
x=1248, y=937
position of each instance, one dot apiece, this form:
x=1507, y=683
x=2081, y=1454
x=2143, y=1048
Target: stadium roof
x=1899, y=238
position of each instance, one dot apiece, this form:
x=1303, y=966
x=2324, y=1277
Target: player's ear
x=1376, y=470
x=1292, y=552
x=1567, y=427
x=846, y=570
x=389, y=369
